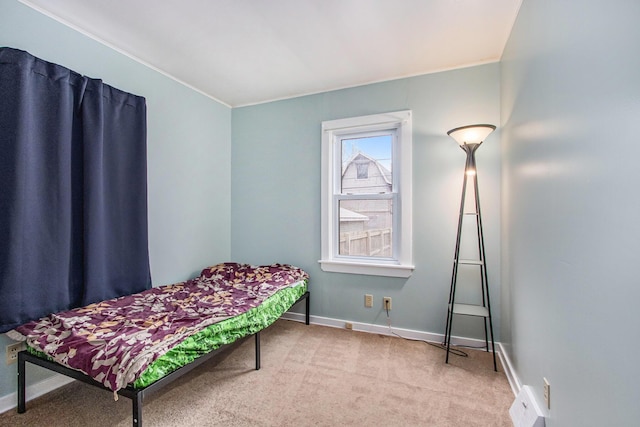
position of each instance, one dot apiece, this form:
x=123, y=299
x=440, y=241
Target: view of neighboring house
x=365, y=224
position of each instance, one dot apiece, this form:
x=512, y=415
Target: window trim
x=402, y=266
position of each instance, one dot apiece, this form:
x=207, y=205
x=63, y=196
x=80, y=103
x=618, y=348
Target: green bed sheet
x=221, y=333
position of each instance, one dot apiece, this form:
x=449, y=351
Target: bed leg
x=257, y=335
x=21, y=383
x=136, y=401
x=307, y=303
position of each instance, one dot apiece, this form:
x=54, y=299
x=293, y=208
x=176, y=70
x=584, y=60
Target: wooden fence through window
x=366, y=243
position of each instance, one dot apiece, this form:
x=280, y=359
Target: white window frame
x=401, y=264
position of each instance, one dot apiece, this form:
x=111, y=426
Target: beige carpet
x=310, y=376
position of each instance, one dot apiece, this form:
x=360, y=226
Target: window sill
x=389, y=270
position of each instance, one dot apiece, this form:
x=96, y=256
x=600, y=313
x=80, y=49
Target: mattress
x=219, y=334
x=143, y=337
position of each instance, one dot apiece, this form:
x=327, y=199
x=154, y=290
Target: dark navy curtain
x=73, y=190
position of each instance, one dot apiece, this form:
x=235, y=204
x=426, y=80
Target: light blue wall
x=188, y=149
x=570, y=96
x=276, y=191
x=571, y=235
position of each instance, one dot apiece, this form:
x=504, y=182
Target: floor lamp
x=470, y=138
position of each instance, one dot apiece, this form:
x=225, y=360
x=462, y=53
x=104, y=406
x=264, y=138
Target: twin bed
x=137, y=344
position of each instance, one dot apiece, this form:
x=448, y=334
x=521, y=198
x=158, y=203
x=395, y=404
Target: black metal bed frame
x=138, y=395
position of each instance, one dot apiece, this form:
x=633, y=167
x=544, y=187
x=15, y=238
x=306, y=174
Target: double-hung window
x=366, y=195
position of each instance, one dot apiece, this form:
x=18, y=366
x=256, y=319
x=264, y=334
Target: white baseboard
x=10, y=401
x=384, y=330
x=514, y=380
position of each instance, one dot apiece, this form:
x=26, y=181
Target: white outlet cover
x=547, y=393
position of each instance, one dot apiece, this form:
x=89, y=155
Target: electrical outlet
x=348, y=325
x=386, y=303
x=12, y=352
x=547, y=393
x=368, y=300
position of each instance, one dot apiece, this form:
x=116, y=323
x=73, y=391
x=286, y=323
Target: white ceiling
x=244, y=52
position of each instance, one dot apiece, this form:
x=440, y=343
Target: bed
x=136, y=344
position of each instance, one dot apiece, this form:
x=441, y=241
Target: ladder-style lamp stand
x=470, y=138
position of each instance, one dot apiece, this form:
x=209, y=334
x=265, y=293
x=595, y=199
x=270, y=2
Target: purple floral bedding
x=114, y=341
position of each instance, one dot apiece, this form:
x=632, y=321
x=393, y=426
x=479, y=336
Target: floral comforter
x=114, y=341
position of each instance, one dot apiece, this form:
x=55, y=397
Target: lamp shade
x=472, y=134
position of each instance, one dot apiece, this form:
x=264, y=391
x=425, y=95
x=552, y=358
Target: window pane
x=365, y=228
x=366, y=165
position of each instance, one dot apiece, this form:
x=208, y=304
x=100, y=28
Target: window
x=366, y=195
x=362, y=169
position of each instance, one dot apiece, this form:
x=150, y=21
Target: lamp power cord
x=441, y=346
